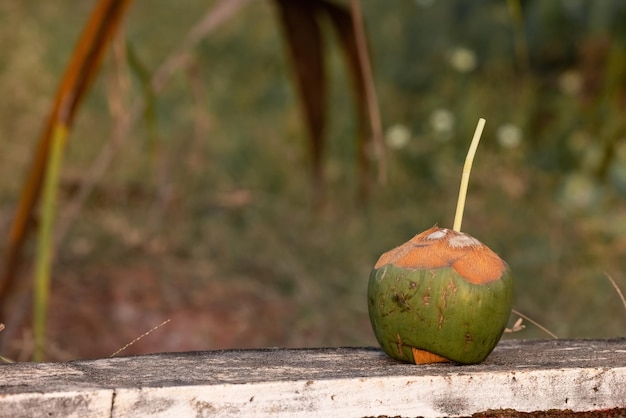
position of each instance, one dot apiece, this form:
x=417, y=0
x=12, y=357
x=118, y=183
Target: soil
x=97, y=311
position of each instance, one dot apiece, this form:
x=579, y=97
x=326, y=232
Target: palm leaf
x=77, y=78
x=303, y=35
x=301, y=24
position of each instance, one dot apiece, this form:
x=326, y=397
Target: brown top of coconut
x=442, y=247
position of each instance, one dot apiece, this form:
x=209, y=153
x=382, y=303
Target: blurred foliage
x=226, y=197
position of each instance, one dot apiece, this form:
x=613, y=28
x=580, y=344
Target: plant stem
x=519, y=39
x=467, y=168
x=45, y=243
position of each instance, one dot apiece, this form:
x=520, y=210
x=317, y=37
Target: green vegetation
x=204, y=213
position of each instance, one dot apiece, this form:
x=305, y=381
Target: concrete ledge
x=555, y=375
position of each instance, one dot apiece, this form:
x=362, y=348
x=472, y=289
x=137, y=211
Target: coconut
x=443, y=295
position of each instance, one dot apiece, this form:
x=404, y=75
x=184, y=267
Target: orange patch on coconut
x=441, y=247
x=425, y=357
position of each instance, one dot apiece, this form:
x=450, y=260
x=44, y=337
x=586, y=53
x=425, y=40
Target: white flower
x=509, y=135
x=397, y=136
x=579, y=191
x=463, y=59
x=442, y=122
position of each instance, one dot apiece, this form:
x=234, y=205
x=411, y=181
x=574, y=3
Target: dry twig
x=145, y=334
x=617, y=289
x=537, y=324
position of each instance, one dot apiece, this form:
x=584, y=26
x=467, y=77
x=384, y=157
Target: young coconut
x=443, y=295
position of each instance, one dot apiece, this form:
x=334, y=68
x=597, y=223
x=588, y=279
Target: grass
x=219, y=233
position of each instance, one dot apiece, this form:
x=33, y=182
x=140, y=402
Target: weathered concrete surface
x=576, y=375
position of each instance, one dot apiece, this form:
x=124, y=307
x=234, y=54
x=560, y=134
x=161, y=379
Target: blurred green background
x=204, y=214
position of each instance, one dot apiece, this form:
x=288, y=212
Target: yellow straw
x=467, y=168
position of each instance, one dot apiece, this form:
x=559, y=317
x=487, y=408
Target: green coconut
x=442, y=296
